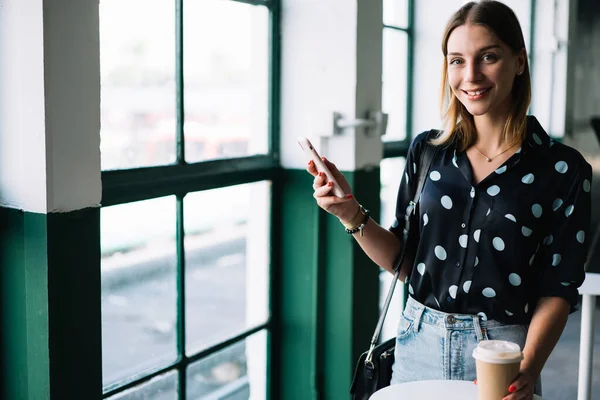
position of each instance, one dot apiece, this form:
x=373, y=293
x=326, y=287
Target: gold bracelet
x=356, y=220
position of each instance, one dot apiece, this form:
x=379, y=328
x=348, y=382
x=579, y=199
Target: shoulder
x=568, y=159
x=422, y=140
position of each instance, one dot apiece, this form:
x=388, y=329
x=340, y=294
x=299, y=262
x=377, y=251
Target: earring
x=520, y=71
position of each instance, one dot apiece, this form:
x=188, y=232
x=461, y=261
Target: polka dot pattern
x=533, y=239
x=556, y=259
x=561, y=167
x=569, y=210
x=498, y=244
x=467, y=286
x=528, y=179
x=556, y=204
x=587, y=186
x=514, y=279
x=452, y=290
x=447, y=202
x=493, y=190
x=440, y=253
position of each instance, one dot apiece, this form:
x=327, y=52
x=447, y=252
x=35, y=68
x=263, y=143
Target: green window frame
x=399, y=148
x=181, y=178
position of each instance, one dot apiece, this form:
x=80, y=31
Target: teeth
x=477, y=93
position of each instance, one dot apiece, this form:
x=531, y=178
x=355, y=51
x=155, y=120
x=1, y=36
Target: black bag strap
x=428, y=154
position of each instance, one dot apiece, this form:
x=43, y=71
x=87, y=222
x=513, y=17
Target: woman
x=503, y=215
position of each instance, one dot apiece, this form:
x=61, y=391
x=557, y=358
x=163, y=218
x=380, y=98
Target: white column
x=551, y=64
x=49, y=105
x=586, y=348
x=22, y=113
x=331, y=61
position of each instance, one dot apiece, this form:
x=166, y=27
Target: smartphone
x=312, y=154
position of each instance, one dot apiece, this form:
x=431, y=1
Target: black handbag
x=374, y=368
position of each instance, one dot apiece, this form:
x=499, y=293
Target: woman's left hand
x=523, y=387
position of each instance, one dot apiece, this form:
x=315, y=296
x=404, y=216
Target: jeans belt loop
x=418, y=316
x=478, y=329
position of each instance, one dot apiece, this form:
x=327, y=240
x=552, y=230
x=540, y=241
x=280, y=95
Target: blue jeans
x=431, y=344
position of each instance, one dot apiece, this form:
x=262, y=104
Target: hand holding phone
x=312, y=154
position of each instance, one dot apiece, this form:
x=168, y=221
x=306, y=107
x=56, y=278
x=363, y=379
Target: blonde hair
x=458, y=122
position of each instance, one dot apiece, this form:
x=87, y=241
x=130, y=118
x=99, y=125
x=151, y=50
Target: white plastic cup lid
x=498, y=352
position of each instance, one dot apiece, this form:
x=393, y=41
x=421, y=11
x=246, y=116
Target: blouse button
x=463, y=225
x=458, y=264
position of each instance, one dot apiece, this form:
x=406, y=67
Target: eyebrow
x=494, y=46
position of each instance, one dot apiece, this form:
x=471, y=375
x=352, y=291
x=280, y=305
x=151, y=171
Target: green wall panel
x=25, y=356
x=50, y=305
x=329, y=291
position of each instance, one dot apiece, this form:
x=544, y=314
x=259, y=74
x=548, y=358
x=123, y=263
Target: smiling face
x=481, y=70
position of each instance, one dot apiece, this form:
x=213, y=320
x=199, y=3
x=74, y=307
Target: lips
x=476, y=92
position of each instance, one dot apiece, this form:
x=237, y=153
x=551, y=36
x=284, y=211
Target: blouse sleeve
x=407, y=184
x=563, y=263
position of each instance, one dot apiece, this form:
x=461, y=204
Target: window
x=188, y=175
x=396, y=101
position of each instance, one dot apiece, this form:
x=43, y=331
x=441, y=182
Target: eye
x=456, y=61
x=489, y=57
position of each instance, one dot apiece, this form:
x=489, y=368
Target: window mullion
x=181, y=351
x=179, y=81
x=409, y=70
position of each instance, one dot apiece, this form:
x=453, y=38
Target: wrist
x=353, y=215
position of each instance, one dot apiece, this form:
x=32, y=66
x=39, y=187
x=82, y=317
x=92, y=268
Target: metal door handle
x=375, y=124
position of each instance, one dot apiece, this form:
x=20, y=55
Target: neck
x=490, y=129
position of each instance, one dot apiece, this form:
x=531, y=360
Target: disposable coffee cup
x=497, y=363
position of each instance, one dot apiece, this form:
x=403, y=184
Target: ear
x=521, y=60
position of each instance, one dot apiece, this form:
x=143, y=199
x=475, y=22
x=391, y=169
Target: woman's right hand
x=345, y=208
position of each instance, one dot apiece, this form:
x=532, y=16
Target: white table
x=589, y=290
x=430, y=390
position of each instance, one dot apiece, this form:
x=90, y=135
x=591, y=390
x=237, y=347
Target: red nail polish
x=512, y=388
x=349, y=196
x=475, y=381
x=330, y=184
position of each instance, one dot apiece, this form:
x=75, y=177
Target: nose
x=472, y=72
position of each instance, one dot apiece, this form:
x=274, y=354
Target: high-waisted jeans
x=431, y=344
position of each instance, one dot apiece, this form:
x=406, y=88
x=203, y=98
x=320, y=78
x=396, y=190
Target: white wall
x=22, y=114
x=49, y=105
x=428, y=58
x=72, y=86
x=325, y=70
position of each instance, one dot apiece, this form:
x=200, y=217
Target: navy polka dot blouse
x=495, y=248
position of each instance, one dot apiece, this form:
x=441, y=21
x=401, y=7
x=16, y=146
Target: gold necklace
x=489, y=159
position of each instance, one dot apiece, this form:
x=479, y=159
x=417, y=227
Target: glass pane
x=138, y=287
x=226, y=72
x=394, y=95
x=137, y=66
x=391, y=173
x=238, y=372
x=395, y=13
x=163, y=387
x=227, y=262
